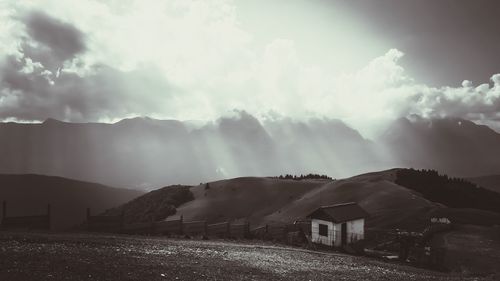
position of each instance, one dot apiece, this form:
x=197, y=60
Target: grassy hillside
x=271, y=200
x=159, y=204
x=388, y=204
x=30, y=194
x=469, y=216
x=490, y=182
x=244, y=198
x=274, y=200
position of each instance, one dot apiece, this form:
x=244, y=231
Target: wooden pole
x=267, y=231
x=181, y=227
x=4, y=210
x=122, y=220
x=48, y=216
x=152, y=225
x=89, y=226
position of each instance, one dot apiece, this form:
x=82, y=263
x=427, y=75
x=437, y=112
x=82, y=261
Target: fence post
x=89, y=227
x=48, y=215
x=122, y=220
x=4, y=210
x=152, y=225
x=181, y=228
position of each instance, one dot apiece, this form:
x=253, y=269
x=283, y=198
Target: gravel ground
x=50, y=256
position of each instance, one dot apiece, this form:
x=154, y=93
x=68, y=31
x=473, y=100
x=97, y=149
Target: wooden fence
x=41, y=222
x=104, y=223
x=294, y=234
x=221, y=229
x=115, y=224
x=168, y=227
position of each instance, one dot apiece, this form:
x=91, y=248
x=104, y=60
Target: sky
x=364, y=62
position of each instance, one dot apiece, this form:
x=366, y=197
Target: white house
x=338, y=225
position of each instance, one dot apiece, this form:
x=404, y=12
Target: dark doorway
x=343, y=234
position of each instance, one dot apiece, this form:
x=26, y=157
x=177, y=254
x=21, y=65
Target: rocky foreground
x=49, y=256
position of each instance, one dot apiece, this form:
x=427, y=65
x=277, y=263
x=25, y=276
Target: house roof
x=339, y=213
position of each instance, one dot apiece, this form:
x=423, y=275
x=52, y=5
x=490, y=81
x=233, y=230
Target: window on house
x=323, y=229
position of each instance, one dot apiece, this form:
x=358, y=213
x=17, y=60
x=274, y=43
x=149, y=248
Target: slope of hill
x=388, y=204
x=265, y=200
x=272, y=200
x=30, y=194
x=244, y=198
x=157, y=204
x=490, y=182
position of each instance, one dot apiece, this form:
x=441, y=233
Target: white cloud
x=477, y=103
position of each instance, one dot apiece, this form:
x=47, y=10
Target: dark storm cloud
x=107, y=92
x=31, y=88
x=50, y=41
x=445, y=41
x=63, y=39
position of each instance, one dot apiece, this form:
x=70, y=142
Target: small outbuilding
x=338, y=225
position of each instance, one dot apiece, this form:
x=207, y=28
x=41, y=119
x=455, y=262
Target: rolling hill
x=491, y=182
x=30, y=194
x=280, y=201
x=244, y=198
x=157, y=204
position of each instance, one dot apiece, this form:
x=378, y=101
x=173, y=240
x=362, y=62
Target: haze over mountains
x=453, y=146
x=148, y=153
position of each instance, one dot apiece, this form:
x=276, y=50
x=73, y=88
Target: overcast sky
x=365, y=62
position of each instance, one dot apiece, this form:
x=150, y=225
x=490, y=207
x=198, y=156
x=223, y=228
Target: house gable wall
x=325, y=240
x=355, y=231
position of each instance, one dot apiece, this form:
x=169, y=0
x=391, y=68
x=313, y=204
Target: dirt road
x=39, y=256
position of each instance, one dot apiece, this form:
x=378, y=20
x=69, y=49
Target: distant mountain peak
x=49, y=121
x=137, y=118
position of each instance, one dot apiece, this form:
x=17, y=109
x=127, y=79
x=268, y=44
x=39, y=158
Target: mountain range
x=453, y=146
x=148, y=153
